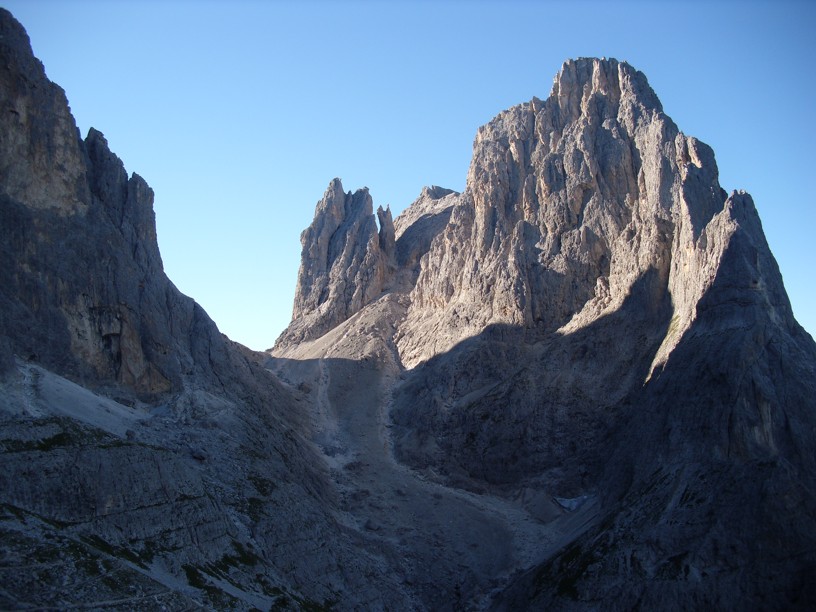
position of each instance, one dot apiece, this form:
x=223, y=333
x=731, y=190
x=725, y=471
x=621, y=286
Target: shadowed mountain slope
x=595, y=321
x=578, y=384
x=146, y=461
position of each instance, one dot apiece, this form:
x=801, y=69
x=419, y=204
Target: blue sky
x=238, y=114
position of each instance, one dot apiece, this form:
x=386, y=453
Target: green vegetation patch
x=53, y=433
x=194, y=577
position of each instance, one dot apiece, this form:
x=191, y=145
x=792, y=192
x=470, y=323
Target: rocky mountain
x=578, y=384
x=595, y=324
x=146, y=461
x=346, y=262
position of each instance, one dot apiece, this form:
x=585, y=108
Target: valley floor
x=452, y=547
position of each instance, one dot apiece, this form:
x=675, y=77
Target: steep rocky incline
x=146, y=461
x=593, y=272
x=595, y=321
x=709, y=476
x=578, y=384
x=346, y=262
x=86, y=293
x=420, y=223
x=569, y=202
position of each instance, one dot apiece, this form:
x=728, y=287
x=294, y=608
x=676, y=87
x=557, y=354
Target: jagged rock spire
x=569, y=201
x=345, y=263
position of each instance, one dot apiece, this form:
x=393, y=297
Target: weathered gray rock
x=100, y=313
x=420, y=223
x=82, y=288
x=600, y=345
x=568, y=203
x=571, y=266
x=145, y=459
x=345, y=264
x=593, y=318
x=710, y=475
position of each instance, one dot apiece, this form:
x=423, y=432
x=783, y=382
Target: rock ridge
x=144, y=457
x=585, y=363
x=568, y=202
x=591, y=299
x=345, y=264
x=553, y=190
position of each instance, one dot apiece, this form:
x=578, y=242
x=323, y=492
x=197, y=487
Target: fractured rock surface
x=578, y=384
x=594, y=318
x=147, y=461
x=345, y=264
x=569, y=202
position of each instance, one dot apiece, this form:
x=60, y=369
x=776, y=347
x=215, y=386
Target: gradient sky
x=238, y=114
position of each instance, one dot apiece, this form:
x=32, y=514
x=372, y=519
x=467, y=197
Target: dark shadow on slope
x=705, y=473
x=711, y=482
x=511, y=407
x=501, y=412
x=445, y=547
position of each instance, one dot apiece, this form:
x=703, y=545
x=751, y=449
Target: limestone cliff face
x=86, y=292
x=596, y=318
x=601, y=319
x=82, y=287
x=420, y=223
x=569, y=201
x=144, y=457
x=38, y=131
x=345, y=264
x=593, y=336
x=717, y=447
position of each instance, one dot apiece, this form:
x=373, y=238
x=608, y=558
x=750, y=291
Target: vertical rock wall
x=345, y=264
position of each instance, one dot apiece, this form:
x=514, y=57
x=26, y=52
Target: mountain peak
x=594, y=317
x=580, y=79
x=344, y=262
x=592, y=335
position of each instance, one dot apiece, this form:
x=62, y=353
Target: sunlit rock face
x=577, y=384
x=345, y=264
x=569, y=202
x=571, y=267
x=595, y=317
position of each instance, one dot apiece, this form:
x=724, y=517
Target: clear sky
x=238, y=114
